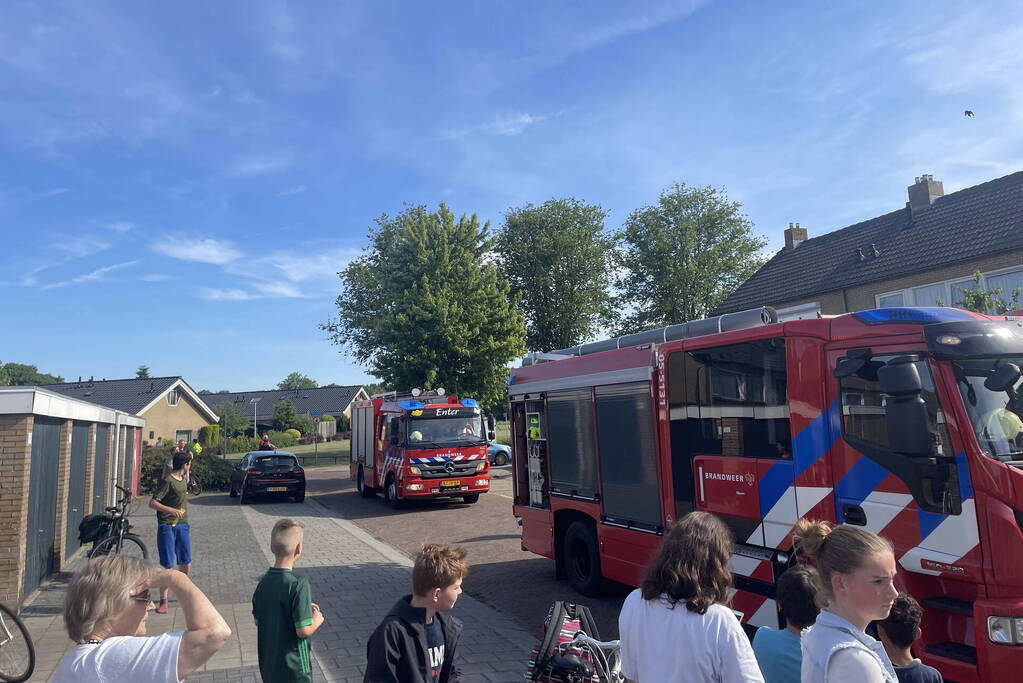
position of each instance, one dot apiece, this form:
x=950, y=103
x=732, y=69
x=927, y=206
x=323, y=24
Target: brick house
x=59, y=458
x=913, y=256
x=171, y=409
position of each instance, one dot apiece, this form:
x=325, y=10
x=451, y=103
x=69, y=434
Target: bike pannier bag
x=93, y=527
x=564, y=620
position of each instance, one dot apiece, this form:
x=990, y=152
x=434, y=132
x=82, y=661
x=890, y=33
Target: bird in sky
x=968, y=113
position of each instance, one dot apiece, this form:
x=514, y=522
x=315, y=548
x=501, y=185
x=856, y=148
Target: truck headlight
x=1005, y=630
x=414, y=470
x=414, y=487
x=482, y=482
x=481, y=465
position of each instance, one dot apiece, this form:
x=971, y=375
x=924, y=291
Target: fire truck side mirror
x=1003, y=378
x=909, y=428
x=491, y=428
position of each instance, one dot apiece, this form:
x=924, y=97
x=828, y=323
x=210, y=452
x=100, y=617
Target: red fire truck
x=419, y=445
x=903, y=420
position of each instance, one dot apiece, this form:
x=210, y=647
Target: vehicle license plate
x=450, y=482
x=278, y=488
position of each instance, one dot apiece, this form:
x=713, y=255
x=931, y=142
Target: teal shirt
x=777, y=654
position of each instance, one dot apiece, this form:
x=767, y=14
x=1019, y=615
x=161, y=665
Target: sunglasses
x=142, y=597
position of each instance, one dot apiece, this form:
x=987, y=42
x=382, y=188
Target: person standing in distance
x=857, y=586
x=170, y=500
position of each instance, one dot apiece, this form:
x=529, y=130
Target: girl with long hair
x=676, y=627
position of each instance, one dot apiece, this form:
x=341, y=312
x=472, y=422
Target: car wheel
x=360, y=483
x=245, y=498
x=500, y=458
x=582, y=558
x=300, y=496
x=391, y=494
x=471, y=498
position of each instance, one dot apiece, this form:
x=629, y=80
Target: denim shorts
x=173, y=541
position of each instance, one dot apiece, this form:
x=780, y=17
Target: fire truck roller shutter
x=628, y=457
x=571, y=443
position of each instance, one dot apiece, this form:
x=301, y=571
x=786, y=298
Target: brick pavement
x=355, y=580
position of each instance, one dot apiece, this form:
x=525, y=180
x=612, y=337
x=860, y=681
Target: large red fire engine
x=418, y=446
x=904, y=420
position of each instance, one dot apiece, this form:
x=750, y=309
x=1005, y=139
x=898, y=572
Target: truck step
x=956, y=651
x=952, y=605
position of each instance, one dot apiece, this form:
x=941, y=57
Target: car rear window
x=269, y=461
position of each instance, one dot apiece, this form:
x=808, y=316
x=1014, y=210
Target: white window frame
x=799, y=312
x=907, y=293
x=172, y=397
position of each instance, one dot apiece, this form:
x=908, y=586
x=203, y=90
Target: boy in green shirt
x=285, y=615
x=173, y=535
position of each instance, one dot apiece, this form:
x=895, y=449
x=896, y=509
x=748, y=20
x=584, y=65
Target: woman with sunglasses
x=105, y=612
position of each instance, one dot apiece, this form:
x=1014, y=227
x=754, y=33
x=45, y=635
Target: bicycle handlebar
x=603, y=644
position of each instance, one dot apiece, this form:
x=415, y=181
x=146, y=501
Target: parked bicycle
x=17, y=654
x=111, y=533
x=194, y=486
x=603, y=663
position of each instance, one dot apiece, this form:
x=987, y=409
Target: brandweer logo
x=747, y=478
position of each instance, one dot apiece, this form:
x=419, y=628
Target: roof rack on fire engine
x=416, y=393
x=755, y=317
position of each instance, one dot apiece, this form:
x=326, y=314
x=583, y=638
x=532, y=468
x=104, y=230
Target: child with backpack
x=417, y=640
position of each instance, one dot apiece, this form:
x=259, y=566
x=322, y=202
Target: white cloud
x=260, y=164
x=227, y=295
x=120, y=226
x=506, y=125
x=157, y=277
x=293, y=190
x=201, y=250
x=82, y=246
x=93, y=276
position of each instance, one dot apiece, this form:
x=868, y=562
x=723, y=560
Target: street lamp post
x=254, y=402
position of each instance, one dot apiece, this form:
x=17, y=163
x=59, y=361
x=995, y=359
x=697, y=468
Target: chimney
x=924, y=191
x=794, y=236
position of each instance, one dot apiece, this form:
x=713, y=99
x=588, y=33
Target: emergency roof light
x=410, y=405
x=921, y=315
x=470, y=403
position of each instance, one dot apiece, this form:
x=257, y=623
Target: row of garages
x=59, y=461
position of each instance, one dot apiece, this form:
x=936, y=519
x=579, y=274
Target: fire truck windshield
x=446, y=431
x=997, y=416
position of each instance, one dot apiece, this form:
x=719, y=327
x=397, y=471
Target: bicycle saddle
x=571, y=664
x=112, y=509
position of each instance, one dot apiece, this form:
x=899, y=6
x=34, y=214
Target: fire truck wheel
x=360, y=483
x=471, y=498
x=391, y=494
x=582, y=558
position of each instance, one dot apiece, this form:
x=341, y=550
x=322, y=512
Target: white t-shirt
x=661, y=644
x=853, y=665
x=139, y=659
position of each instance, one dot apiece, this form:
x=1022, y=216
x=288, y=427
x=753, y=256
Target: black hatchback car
x=270, y=473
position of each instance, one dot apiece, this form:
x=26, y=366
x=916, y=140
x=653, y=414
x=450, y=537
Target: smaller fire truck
x=420, y=446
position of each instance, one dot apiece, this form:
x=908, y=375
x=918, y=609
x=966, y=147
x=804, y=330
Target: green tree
x=5, y=378
x=987, y=301
x=682, y=257
x=422, y=307
x=556, y=258
x=284, y=416
x=232, y=422
x=374, y=389
x=305, y=424
x=297, y=381
x=19, y=375
x=142, y=372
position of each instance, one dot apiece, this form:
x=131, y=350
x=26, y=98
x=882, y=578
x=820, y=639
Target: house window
x=172, y=397
x=152, y=435
x=948, y=293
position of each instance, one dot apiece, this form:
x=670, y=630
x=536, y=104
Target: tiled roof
x=979, y=221
x=333, y=400
x=129, y=395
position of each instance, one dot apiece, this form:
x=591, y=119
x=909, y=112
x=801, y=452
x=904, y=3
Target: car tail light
x=252, y=472
x=298, y=470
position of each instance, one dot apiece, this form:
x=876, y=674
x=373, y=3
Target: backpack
x=93, y=527
x=564, y=620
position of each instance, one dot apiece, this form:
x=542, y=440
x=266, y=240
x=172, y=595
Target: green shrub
x=213, y=473
x=304, y=424
x=282, y=439
x=242, y=444
x=343, y=423
x=327, y=418
x=294, y=432
x=209, y=435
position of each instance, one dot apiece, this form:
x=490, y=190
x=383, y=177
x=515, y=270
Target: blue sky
x=181, y=181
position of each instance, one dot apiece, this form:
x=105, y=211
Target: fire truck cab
x=906, y=421
x=420, y=445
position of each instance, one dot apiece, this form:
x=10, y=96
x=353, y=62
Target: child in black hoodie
x=416, y=641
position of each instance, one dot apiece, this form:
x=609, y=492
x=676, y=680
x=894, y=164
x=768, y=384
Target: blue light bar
x=921, y=315
x=470, y=403
x=410, y=405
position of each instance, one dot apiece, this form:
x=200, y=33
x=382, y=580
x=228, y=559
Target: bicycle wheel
x=131, y=546
x=194, y=488
x=17, y=654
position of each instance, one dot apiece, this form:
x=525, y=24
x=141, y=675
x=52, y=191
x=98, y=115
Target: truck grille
x=440, y=470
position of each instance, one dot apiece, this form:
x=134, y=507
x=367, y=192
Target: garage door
x=99, y=473
x=76, y=485
x=42, y=502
